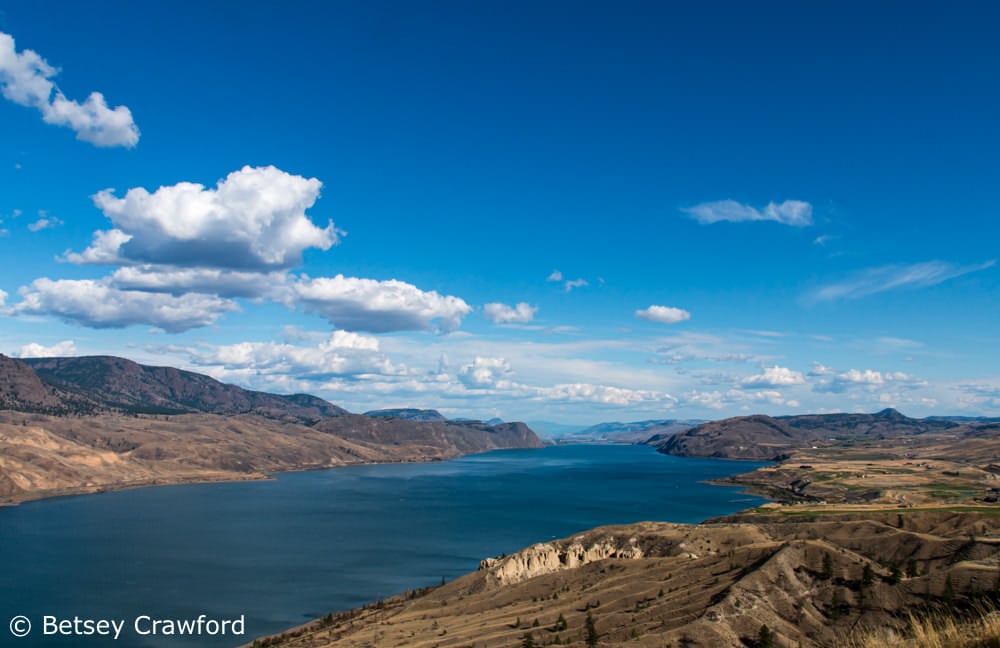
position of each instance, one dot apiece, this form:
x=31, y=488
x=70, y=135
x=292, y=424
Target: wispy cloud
x=568, y=284
x=797, y=213
x=26, y=79
x=885, y=278
x=44, y=222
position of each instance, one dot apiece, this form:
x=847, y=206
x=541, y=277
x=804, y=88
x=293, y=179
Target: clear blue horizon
x=526, y=210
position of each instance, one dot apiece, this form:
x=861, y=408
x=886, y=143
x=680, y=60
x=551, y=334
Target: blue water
x=284, y=551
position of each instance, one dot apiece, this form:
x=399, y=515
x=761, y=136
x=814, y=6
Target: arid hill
x=78, y=425
x=812, y=580
x=766, y=438
x=109, y=383
x=408, y=413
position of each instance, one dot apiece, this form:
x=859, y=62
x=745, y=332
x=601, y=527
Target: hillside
x=77, y=425
x=766, y=438
x=811, y=581
x=409, y=413
x=111, y=383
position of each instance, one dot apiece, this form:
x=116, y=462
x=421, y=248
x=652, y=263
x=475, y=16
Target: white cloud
x=663, y=314
x=3, y=298
x=774, y=377
x=485, y=373
x=866, y=379
x=44, y=222
x=26, y=79
x=504, y=314
x=819, y=369
x=225, y=283
x=98, y=305
x=568, y=285
x=877, y=280
x=253, y=220
x=377, y=306
x=35, y=350
x=790, y=212
x=342, y=353
x=603, y=394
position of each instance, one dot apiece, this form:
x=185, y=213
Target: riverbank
x=53, y=456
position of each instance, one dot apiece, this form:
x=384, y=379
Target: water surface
x=284, y=551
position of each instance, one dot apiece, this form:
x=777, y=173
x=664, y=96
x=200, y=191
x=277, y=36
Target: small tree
x=827, y=567
x=560, y=625
x=527, y=641
x=592, y=636
x=867, y=576
x=764, y=638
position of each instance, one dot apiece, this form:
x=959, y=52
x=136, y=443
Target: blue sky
x=701, y=211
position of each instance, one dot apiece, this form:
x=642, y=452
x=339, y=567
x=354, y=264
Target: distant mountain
x=766, y=438
x=454, y=437
x=111, y=383
x=551, y=430
x=408, y=413
x=965, y=419
x=633, y=432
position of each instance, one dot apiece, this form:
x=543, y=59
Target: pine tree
x=592, y=636
x=867, y=576
x=827, y=567
x=764, y=638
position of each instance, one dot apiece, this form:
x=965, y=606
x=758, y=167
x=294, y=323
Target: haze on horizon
x=527, y=210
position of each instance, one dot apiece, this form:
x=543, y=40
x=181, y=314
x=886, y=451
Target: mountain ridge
x=93, y=423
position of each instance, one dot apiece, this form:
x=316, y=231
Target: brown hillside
x=811, y=580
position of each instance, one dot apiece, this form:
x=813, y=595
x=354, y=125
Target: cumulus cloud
x=555, y=276
x=225, y=283
x=663, y=314
x=791, y=212
x=96, y=304
x=603, y=395
x=342, y=353
x=774, y=377
x=485, y=373
x=877, y=280
x=866, y=379
x=504, y=314
x=35, y=350
x=718, y=400
x=377, y=306
x=26, y=79
x=254, y=219
x=3, y=298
